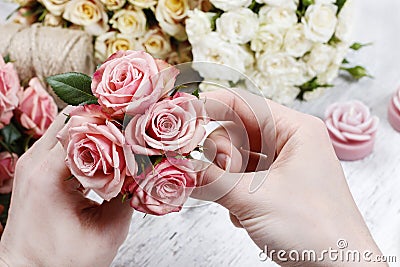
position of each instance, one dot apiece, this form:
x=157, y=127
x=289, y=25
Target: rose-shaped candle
x=352, y=129
x=394, y=111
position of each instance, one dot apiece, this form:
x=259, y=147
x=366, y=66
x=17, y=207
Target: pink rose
x=7, y=169
x=132, y=78
x=37, y=109
x=9, y=88
x=94, y=151
x=350, y=122
x=171, y=125
x=165, y=188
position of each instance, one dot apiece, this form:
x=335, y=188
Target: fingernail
x=222, y=161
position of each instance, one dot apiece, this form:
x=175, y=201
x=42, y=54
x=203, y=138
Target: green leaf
x=340, y=4
x=310, y=86
x=307, y=3
x=177, y=88
x=10, y=134
x=214, y=19
x=334, y=40
x=7, y=58
x=196, y=93
x=345, y=61
x=69, y=178
x=358, y=46
x=255, y=7
x=73, y=88
x=357, y=72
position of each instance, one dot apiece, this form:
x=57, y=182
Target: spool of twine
x=39, y=51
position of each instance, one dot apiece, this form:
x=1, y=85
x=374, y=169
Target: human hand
x=303, y=201
x=50, y=221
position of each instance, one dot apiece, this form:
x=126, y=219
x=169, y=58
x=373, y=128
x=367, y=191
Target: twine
x=40, y=51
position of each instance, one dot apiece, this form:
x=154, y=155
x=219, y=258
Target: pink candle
x=394, y=111
x=352, y=129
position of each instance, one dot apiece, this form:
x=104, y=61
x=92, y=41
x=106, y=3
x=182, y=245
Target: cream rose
x=143, y=3
x=227, y=5
x=87, y=13
x=55, y=7
x=111, y=42
x=283, y=68
x=237, y=26
x=52, y=21
x=292, y=4
x=215, y=58
x=170, y=14
x=198, y=24
x=295, y=43
x=320, y=58
x=280, y=17
x=267, y=39
x=156, y=43
x=132, y=22
x=113, y=4
x=213, y=85
x=320, y=22
x=345, y=22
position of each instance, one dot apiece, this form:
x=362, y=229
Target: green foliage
x=310, y=86
x=73, y=88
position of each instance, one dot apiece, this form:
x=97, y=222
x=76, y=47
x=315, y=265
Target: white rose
x=56, y=7
x=316, y=93
x=237, y=26
x=230, y=60
x=281, y=17
x=131, y=22
x=283, y=68
x=170, y=14
x=209, y=85
x=87, y=13
x=110, y=42
x=333, y=68
x=324, y=1
x=267, y=39
x=259, y=84
x=320, y=58
x=291, y=4
x=320, y=22
x=230, y=4
x=286, y=94
x=52, y=21
x=198, y=24
x=157, y=43
x=113, y=4
x=144, y=3
x=345, y=22
x=296, y=44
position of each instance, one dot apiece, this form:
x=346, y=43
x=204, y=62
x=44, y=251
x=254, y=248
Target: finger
x=49, y=140
x=221, y=145
x=235, y=221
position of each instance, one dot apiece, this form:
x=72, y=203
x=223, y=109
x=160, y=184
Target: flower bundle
x=155, y=26
x=25, y=115
x=131, y=132
x=289, y=48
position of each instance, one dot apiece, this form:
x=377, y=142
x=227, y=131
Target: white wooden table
x=204, y=236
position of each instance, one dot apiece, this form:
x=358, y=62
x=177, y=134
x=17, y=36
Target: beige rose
x=170, y=14
x=87, y=13
x=55, y=7
x=132, y=22
x=110, y=42
x=113, y=4
x=143, y=3
x=157, y=43
x=52, y=21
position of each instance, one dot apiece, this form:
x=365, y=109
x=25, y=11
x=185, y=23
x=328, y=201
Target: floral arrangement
x=131, y=132
x=25, y=115
x=290, y=49
x=155, y=26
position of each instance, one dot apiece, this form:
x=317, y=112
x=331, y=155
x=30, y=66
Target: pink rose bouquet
x=132, y=131
x=25, y=115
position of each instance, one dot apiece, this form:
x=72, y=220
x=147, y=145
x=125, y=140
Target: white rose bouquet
x=289, y=48
x=154, y=26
